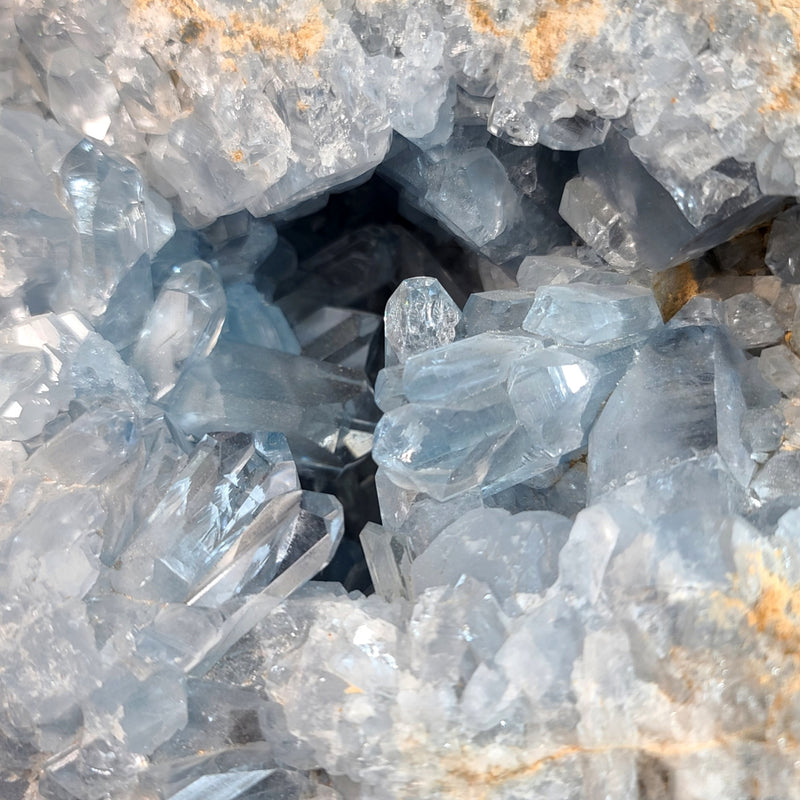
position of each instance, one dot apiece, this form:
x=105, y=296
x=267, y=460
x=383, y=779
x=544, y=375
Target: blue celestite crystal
x=399, y=399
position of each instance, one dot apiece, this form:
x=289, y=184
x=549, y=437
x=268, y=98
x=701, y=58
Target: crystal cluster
x=399, y=399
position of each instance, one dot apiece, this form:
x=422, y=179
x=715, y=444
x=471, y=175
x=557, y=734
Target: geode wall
x=399, y=399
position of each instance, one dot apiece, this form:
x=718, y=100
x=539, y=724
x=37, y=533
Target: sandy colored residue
x=785, y=93
x=774, y=614
x=776, y=611
x=760, y=608
x=300, y=43
x=789, y=10
x=784, y=97
x=556, y=23
x=468, y=770
x=469, y=777
x=768, y=617
x=482, y=21
x=560, y=22
x=674, y=288
x=236, y=33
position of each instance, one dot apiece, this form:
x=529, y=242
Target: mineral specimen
x=399, y=399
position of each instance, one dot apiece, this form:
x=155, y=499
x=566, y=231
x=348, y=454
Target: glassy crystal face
x=420, y=315
x=399, y=399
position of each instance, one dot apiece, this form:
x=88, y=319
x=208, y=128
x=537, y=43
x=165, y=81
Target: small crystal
x=389, y=556
x=244, y=388
x=783, y=248
x=498, y=310
x=752, y=322
x=419, y=316
x=184, y=322
x=250, y=319
x=550, y=392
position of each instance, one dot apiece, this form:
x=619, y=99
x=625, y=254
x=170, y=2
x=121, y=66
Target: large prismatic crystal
x=399, y=399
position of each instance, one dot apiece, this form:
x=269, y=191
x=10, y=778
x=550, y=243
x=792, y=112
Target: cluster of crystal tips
x=233, y=525
x=213, y=530
x=167, y=593
x=500, y=407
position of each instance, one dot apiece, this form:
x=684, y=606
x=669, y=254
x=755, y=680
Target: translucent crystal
x=486, y=544
x=550, y=392
x=201, y=541
x=583, y=314
x=536, y=271
x=752, y=322
x=613, y=206
x=699, y=311
x=129, y=306
x=498, y=310
x=469, y=373
x=464, y=187
x=442, y=451
x=304, y=543
x=680, y=399
x=417, y=514
x=240, y=245
x=251, y=320
x=419, y=316
x=781, y=367
x=118, y=219
x=154, y=712
x=780, y=476
x=242, y=387
x=389, y=388
x=583, y=560
x=762, y=431
x=783, y=250
x=37, y=380
x=77, y=82
x=184, y=322
x=389, y=556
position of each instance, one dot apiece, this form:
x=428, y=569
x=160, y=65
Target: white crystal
x=420, y=315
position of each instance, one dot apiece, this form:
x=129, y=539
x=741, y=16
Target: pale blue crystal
x=206, y=518
x=118, y=219
x=184, y=322
x=752, y=322
x=470, y=373
x=250, y=319
x=487, y=544
x=241, y=387
x=442, y=451
x=498, y=310
x=680, y=399
x=550, y=392
x=585, y=315
x=389, y=556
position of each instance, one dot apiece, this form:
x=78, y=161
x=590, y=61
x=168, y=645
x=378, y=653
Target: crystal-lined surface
x=582, y=530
